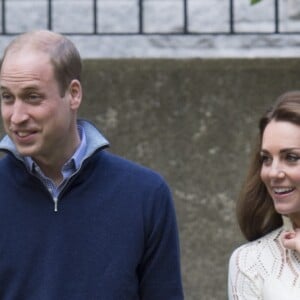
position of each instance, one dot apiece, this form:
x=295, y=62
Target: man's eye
x=5, y=97
x=34, y=97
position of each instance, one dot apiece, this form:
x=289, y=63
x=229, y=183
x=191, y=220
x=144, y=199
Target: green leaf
x=254, y=1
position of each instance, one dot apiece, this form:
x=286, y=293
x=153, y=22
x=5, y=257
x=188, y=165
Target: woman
x=268, y=211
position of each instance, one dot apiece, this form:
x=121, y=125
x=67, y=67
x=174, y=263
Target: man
x=77, y=222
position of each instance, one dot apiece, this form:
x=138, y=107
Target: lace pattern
x=264, y=270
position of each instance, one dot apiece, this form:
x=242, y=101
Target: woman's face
x=280, y=171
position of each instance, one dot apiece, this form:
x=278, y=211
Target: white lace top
x=264, y=270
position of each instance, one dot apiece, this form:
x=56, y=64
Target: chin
x=286, y=211
x=26, y=152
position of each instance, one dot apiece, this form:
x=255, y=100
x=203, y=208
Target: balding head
x=63, y=54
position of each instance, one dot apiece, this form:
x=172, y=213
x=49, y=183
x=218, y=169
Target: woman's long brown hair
x=255, y=210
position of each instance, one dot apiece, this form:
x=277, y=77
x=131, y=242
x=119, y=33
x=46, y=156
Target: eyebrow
x=25, y=89
x=3, y=87
x=282, y=150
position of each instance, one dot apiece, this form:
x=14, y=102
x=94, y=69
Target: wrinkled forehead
x=24, y=66
x=20, y=57
x=42, y=40
x=25, y=49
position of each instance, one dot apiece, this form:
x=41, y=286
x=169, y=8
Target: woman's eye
x=265, y=159
x=292, y=157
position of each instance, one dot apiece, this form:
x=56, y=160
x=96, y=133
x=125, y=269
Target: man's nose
x=19, y=112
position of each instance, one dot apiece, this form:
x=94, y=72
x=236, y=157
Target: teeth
x=282, y=190
x=22, y=134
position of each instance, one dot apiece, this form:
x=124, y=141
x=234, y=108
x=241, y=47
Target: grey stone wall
x=194, y=121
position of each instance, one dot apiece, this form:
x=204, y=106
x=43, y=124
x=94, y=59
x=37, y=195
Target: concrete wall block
x=166, y=16
x=25, y=15
x=118, y=16
x=205, y=17
x=70, y=16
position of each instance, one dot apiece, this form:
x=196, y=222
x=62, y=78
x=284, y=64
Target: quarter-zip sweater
x=114, y=236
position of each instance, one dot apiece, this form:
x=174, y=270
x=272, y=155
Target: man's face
x=35, y=116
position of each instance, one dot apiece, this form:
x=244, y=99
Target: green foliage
x=254, y=1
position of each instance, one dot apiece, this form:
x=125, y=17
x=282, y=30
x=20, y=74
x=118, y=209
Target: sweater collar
x=287, y=223
x=94, y=139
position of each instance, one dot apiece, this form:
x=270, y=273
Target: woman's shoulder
x=259, y=268
x=260, y=249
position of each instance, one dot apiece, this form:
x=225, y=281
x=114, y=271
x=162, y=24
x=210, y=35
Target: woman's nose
x=276, y=171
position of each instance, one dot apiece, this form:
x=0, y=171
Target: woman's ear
x=75, y=92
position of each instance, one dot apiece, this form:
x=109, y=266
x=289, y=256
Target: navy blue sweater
x=114, y=236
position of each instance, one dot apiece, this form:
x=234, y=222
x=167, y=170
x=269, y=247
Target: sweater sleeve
x=159, y=271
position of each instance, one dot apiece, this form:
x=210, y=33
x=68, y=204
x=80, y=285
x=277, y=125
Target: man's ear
x=75, y=92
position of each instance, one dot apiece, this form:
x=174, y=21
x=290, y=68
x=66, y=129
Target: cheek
x=45, y=112
x=295, y=177
x=263, y=175
x=5, y=113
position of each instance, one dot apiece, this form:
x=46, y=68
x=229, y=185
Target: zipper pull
x=55, y=203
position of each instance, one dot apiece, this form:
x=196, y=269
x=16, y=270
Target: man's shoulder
x=128, y=164
x=129, y=169
x=6, y=161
